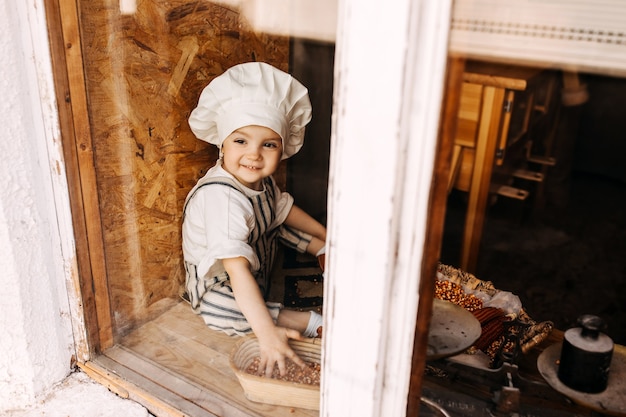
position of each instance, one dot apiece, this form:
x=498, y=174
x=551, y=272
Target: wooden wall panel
x=144, y=74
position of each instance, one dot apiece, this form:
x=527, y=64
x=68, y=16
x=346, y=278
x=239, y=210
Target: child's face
x=252, y=153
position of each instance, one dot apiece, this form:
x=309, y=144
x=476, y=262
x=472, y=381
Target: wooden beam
x=434, y=233
x=78, y=153
x=481, y=175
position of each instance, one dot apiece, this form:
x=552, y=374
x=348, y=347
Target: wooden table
x=498, y=105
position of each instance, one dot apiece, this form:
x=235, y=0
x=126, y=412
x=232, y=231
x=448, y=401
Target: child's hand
x=274, y=349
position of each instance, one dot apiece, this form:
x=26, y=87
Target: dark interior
x=566, y=256
x=563, y=250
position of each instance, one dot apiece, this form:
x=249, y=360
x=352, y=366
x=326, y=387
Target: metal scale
x=464, y=385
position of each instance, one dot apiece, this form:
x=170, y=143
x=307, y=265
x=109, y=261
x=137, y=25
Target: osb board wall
x=144, y=74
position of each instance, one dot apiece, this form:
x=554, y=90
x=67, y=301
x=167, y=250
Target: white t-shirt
x=219, y=220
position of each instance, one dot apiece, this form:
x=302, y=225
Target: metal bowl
x=453, y=329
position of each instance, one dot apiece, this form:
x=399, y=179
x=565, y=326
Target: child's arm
x=272, y=339
x=300, y=220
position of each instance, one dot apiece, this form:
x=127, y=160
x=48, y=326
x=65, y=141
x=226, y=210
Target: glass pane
x=536, y=210
x=145, y=69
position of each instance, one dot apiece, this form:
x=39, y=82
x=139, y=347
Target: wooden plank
x=471, y=97
x=87, y=177
x=158, y=400
x=85, y=336
x=190, y=357
x=513, y=77
x=481, y=176
x=184, y=323
x=468, y=115
x=177, y=387
x=496, y=81
x=434, y=232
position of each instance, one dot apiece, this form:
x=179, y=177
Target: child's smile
x=252, y=153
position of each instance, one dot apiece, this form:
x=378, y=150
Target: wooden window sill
x=176, y=366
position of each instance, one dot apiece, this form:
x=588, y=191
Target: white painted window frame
x=389, y=76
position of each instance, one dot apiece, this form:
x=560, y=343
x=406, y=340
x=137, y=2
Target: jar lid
x=588, y=336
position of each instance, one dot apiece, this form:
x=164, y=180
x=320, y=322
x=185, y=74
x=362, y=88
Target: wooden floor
x=185, y=365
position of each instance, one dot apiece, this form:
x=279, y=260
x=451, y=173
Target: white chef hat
x=254, y=93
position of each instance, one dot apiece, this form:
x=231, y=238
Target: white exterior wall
x=36, y=342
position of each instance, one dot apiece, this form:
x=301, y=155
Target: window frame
x=406, y=106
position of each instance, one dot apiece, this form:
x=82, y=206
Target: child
x=233, y=217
